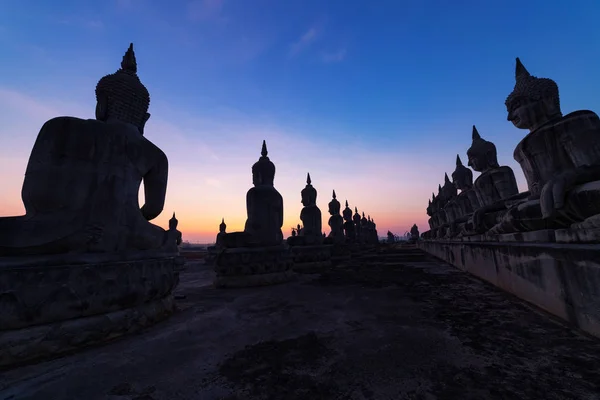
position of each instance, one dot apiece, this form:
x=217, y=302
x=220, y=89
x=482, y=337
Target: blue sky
x=391, y=88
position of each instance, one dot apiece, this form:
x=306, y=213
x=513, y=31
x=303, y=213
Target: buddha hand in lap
x=559, y=156
x=83, y=176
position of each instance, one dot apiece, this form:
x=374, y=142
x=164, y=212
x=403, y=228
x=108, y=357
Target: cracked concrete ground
x=384, y=327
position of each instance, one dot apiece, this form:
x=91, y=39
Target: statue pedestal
x=340, y=253
x=253, y=266
x=311, y=259
x=56, y=304
x=211, y=255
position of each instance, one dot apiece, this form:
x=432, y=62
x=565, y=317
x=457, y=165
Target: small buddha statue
x=374, y=228
x=82, y=180
x=349, y=230
x=414, y=232
x=293, y=232
x=493, y=187
x=174, y=236
x=364, y=229
x=560, y=158
x=356, y=219
x=390, y=237
x=264, y=204
x=298, y=229
x=220, y=243
x=311, y=215
x=336, y=222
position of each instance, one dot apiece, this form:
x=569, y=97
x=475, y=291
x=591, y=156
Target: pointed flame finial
x=346, y=203
x=363, y=214
x=129, y=63
x=446, y=179
x=475, y=133
x=520, y=70
x=334, y=194
x=458, y=161
x=264, y=151
x=223, y=220
x=308, y=181
x=439, y=187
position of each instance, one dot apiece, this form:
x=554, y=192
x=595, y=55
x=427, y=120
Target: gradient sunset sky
x=373, y=98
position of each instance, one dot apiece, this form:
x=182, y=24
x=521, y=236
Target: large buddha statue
x=493, y=187
x=560, y=158
x=364, y=229
x=264, y=205
x=336, y=222
x=349, y=230
x=83, y=177
x=311, y=215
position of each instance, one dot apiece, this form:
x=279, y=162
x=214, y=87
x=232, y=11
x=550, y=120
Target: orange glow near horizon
x=210, y=169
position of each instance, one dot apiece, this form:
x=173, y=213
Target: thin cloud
x=203, y=10
x=304, y=41
x=334, y=57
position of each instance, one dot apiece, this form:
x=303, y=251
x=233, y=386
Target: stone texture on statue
x=349, y=229
x=258, y=255
x=84, y=260
x=495, y=185
x=83, y=177
x=560, y=158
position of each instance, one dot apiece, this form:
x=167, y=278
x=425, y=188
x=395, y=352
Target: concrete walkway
x=388, y=327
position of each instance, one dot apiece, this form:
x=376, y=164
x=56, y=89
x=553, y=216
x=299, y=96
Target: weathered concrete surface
x=563, y=279
x=387, y=329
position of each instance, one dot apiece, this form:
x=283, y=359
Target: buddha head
x=173, y=222
x=309, y=193
x=448, y=190
x=334, y=205
x=347, y=213
x=462, y=177
x=222, y=226
x=482, y=154
x=298, y=227
x=356, y=216
x=533, y=101
x=122, y=96
x=263, y=171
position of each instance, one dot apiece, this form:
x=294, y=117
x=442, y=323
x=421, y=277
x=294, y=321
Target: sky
x=374, y=98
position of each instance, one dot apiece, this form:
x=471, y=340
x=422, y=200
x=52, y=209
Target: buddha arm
x=155, y=189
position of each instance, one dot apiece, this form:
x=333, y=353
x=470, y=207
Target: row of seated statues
x=560, y=158
x=260, y=253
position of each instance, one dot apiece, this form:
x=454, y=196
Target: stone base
x=311, y=259
x=340, y=253
x=563, y=279
x=51, y=309
x=253, y=266
x=43, y=341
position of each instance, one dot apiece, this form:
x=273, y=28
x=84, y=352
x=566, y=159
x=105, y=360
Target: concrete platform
x=376, y=329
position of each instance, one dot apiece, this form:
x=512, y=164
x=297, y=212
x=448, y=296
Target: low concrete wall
x=563, y=279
